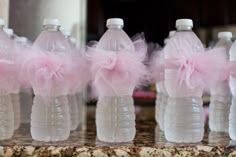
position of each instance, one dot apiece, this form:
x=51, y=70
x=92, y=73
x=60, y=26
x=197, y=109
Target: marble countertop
x=149, y=141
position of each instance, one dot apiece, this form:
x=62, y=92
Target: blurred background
x=85, y=19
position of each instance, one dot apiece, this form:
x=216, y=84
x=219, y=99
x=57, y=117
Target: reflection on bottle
x=162, y=109
x=159, y=136
x=157, y=106
x=218, y=138
x=81, y=98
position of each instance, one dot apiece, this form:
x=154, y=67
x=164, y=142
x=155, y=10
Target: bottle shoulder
x=184, y=41
x=5, y=41
x=224, y=44
x=53, y=41
x=115, y=40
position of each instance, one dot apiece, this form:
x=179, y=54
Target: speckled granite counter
x=149, y=141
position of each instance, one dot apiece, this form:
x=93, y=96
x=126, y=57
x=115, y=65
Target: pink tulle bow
x=55, y=74
x=7, y=75
x=201, y=69
x=79, y=75
x=156, y=65
x=117, y=73
x=48, y=73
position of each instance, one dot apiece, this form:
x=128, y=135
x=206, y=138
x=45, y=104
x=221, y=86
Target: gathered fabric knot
x=202, y=69
x=109, y=61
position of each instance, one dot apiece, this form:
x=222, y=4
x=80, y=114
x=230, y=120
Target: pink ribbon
x=199, y=69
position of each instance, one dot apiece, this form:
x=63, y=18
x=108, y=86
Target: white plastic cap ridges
x=225, y=35
x=115, y=21
x=166, y=41
x=9, y=31
x=51, y=21
x=171, y=33
x=73, y=40
x=1, y=22
x=184, y=22
x=22, y=39
x=66, y=33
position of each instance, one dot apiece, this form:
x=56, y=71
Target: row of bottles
x=181, y=117
x=57, y=71
x=52, y=116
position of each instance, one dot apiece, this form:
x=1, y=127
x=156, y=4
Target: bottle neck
x=114, y=27
x=51, y=28
x=184, y=28
x=225, y=39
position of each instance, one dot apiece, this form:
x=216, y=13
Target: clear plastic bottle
x=72, y=97
x=50, y=118
x=162, y=95
x=115, y=116
x=26, y=97
x=162, y=109
x=184, y=120
x=15, y=97
x=220, y=94
x=74, y=111
x=232, y=84
x=81, y=99
x=115, y=119
x=6, y=107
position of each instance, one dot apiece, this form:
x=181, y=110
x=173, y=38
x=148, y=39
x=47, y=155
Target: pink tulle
x=79, y=75
x=55, y=74
x=204, y=69
x=157, y=66
x=10, y=67
x=117, y=73
x=7, y=75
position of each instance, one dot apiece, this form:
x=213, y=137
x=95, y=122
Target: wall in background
x=26, y=16
x=4, y=11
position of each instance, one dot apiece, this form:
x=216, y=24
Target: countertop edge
x=120, y=151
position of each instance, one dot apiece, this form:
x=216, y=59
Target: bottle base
x=115, y=119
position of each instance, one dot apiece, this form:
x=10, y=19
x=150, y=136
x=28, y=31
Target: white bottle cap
x=225, y=35
x=166, y=41
x=51, y=21
x=22, y=39
x=171, y=33
x=66, y=33
x=184, y=22
x=73, y=40
x=1, y=22
x=9, y=31
x=115, y=21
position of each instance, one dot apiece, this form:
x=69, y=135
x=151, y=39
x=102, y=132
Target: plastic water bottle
x=50, y=118
x=232, y=84
x=15, y=98
x=6, y=108
x=72, y=97
x=220, y=94
x=162, y=95
x=70, y=39
x=171, y=34
x=184, y=120
x=74, y=111
x=115, y=116
x=26, y=97
x=162, y=109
